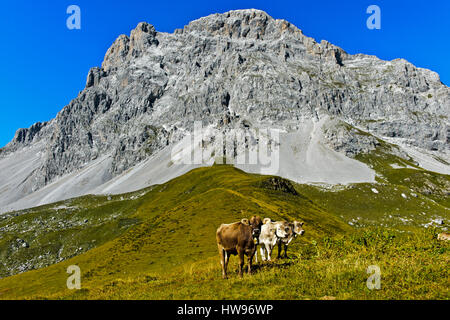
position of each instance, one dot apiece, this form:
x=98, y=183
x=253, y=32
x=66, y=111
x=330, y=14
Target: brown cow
x=239, y=238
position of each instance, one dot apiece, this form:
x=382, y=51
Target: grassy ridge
x=167, y=248
x=404, y=195
x=405, y=174
x=177, y=224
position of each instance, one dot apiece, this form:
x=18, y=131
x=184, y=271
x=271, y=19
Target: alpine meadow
x=236, y=118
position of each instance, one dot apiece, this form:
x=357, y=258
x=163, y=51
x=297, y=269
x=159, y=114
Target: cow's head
x=284, y=230
x=297, y=228
x=256, y=223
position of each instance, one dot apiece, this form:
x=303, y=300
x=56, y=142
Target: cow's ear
x=266, y=220
x=301, y=224
x=245, y=221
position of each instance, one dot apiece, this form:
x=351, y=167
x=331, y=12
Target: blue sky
x=44, y=65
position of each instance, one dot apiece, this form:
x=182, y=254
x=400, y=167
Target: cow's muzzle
x=255, y=234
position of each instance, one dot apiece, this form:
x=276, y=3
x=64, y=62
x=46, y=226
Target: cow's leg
x=269, y=251
x=256, y=254
x=263, y=254
x=285, y=250
x=279, y=250
x=241, y=261
x=227, y=259
x=250, y=258
x=223, y=262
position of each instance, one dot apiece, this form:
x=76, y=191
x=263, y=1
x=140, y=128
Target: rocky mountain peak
x=247, y=24
x=125, y=48
x=241, y=68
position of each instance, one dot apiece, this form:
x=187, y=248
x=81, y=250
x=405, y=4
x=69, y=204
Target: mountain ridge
x=225, y=69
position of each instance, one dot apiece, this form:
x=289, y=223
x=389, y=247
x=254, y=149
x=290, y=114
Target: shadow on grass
x=281, y=263
x=268, y=265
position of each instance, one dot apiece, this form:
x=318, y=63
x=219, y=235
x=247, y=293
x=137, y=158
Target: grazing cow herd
x=242, y=238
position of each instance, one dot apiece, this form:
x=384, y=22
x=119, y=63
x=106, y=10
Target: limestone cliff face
x=226, y=69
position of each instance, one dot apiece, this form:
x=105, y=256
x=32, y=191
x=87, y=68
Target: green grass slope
x=45, y=235
x=161, y=244
x=412, y=266
x=172, y=224
x=404, y=196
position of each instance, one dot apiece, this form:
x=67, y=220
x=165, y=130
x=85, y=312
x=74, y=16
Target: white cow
x=297, y=230
x=271, y=233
